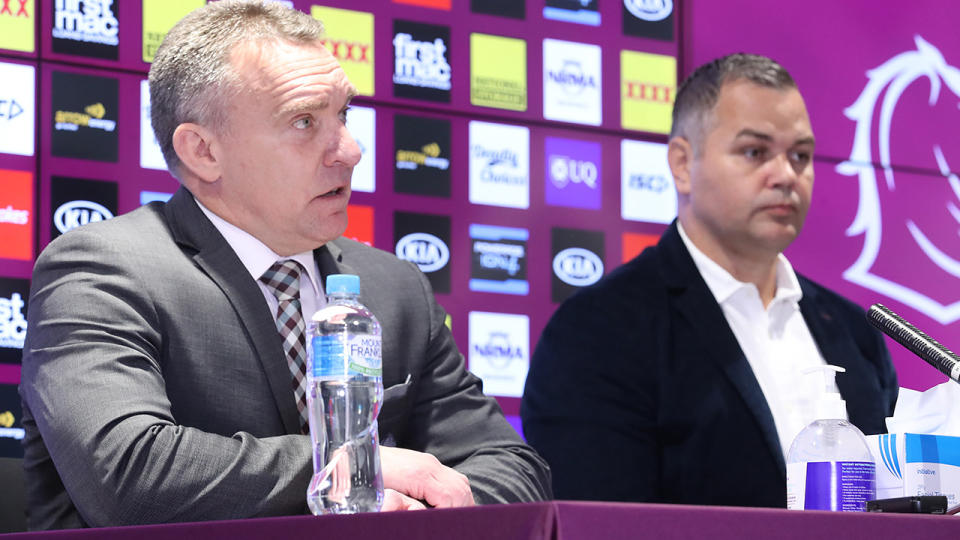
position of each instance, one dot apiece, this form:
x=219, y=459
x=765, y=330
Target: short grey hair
x=698, y=94
x=191, y=72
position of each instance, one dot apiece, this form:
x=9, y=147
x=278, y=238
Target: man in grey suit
x=155, y=384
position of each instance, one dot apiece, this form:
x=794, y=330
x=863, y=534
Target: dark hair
x=698, y=94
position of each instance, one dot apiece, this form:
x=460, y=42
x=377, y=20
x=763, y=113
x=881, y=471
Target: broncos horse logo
x=906, y=248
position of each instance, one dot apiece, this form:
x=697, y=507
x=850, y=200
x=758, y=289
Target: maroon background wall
x=623, y=187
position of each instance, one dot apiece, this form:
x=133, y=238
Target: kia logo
x=425, y=250
x=76, y=213
x=578, y=267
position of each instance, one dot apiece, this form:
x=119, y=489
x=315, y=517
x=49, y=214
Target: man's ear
x=195, y=146
x=680, y=159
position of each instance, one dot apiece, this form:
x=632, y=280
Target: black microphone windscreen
x=914, y=340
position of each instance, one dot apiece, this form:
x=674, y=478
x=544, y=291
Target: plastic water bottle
x=344, y=393
x=829, y=465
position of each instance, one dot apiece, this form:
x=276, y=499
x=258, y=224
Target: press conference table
x=551, y=521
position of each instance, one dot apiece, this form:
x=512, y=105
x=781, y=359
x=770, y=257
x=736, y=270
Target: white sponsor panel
x=646, y=184
x=362, y=122
x=17, y=109
x=500, y=351
x=571, y=82
x=499, y=165
x=150, y=155
x=13, y=326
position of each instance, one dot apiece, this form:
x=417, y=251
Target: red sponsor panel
x=634, y=243
x=438, y=4
x=16, y=215
x=360, y=224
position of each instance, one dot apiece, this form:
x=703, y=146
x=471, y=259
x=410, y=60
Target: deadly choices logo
x=902, y=213
x=86, y=28
x=421, y=61
x=499, y=164
x=424, y=240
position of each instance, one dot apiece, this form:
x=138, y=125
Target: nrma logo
x=578, y=267
x=76, y=213
x=425, y=250
x=498, y=351
x=571, y=77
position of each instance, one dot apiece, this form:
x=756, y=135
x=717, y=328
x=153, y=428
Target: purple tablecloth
x=550, y=521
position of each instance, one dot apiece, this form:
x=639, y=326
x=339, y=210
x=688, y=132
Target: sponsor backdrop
x=513, y=149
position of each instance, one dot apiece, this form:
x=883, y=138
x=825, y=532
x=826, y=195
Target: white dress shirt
x=258, y=258
x=776, y=341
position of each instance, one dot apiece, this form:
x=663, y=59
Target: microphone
x=915, y=341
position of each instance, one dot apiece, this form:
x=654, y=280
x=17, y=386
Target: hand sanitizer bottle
x=829, y=465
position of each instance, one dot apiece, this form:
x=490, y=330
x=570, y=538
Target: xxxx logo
x=346, y=50
x=21, y=10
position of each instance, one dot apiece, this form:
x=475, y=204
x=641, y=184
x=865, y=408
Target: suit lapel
x=193, y=231
x=694, y=302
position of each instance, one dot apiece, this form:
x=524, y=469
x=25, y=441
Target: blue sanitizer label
x=357, y=355
x=843, y=486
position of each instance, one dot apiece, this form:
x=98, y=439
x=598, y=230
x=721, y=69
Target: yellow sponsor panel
x=159, y=16
x=648, y=83
x=349, y=36
x=16, y=25
x=498, y=72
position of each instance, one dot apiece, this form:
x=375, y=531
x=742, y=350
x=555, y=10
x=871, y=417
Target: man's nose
x=344, y=150
x=784, y=171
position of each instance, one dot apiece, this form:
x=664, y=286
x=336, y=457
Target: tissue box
x=912, y=464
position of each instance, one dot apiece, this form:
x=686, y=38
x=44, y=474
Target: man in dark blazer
x=641, y=388
x=155, y=385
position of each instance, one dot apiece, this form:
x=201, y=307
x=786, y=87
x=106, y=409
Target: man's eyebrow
x=301, y=106
x=747, y=132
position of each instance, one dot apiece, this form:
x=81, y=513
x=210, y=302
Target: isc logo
x=76, y=213
x=578, y=267
x=425, y=250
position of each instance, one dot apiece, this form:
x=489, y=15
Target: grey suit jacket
x=155, y=388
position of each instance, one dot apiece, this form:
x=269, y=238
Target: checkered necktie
x=283, y=280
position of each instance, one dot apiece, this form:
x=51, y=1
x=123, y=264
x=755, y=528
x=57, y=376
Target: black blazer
x=638, y=389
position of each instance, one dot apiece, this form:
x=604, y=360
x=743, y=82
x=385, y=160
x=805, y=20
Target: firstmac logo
x=425, y=250
x=578, y=267
x=76, y=213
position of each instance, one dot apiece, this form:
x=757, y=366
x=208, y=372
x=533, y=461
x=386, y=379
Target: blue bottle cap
x=343, y=284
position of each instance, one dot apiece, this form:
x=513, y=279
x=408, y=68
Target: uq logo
x=76, y=213
x=425, y=250
x=564, y=170
x=578, y=267
x=893, y=225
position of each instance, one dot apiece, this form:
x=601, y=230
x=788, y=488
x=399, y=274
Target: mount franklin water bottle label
x=334, y=356
x=843, y=486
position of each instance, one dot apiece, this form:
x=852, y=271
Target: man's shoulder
x=138, y=229
x=824, y=297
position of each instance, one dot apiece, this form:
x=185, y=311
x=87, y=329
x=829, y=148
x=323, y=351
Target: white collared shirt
x=257, y=258
x=776, y=341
